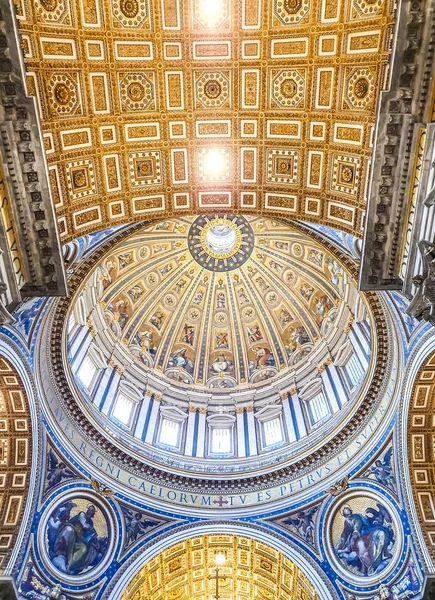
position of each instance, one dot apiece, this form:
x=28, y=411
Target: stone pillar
x=297, y=414
x=429, y=588
x=331, y=392
x=141, y=422
x=362, y=337
x=288, y=418
x=200, y=433
x=341, y=392
x=79, y=347
x=151, y=428
x=240, y=428
x=190, y=430
x=253, y=443
x=8, y=591
x=111, y=388
x=101, y=389
x=359, y=349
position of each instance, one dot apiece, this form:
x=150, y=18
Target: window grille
x=272, y=432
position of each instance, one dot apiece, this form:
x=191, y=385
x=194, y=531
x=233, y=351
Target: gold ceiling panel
x=15, y=458
x=421, y=449
x=151, y=109
x=252, y=570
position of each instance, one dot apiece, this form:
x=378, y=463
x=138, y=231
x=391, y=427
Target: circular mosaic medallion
x=62, y=93
x=364, y=536
x=135, y=91
x=289, y=88
x=77, y=537
x=347, y=174
x=221, y=243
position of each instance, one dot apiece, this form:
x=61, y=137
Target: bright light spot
x=211, y=10
x=220, y=559
x=214, y=163
x=221, y=238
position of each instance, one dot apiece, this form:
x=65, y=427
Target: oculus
x=221, y=243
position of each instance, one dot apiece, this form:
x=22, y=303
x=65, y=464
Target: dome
x=219, y=303
x=219, y=338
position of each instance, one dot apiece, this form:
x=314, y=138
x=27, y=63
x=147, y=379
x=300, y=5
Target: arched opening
x=420, y=436
x=16, y=449
x=227, y=566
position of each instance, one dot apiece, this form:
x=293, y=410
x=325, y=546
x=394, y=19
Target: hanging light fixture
x=220, y=560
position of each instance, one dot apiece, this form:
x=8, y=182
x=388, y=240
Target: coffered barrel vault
x=138, y=98
x=252, y=569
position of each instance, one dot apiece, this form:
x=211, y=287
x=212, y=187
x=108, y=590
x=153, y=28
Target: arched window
x=170, y=429
x=318, y=408
x=271, y=426
x=169, y=433
x=87, y=372
x=273, y=432
x=221, y=439
x=125, y=404
x=123, y=409
x=91, y=366
x=353, y=371
x=221, y=434
x=71, y=322
x=316, y=402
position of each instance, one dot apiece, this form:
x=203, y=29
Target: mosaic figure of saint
x=316, y=257
x=73, y=541
x=188, y=335
x=254, y=334
x=179, y=359
x=221, y=364
x=221, y=339
x=220, y=300
x=124, y=260
x=367, y=539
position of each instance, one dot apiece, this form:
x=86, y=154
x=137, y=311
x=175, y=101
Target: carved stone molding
x=25, y=177
x=402, y=110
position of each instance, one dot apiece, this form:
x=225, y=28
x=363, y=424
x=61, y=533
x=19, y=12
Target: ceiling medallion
x=49, y=5
x=129, y=8
x=288, y=88
x=212, y=89
x=62, y=93
x=221, y=243
x=361, y=87
x=292, y=6
x=135, y=91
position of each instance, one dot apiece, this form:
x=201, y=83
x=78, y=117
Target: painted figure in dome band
x=105, y=273
x=263, y=358
x=179, y=359
x=119, y=312
x=221, y=364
